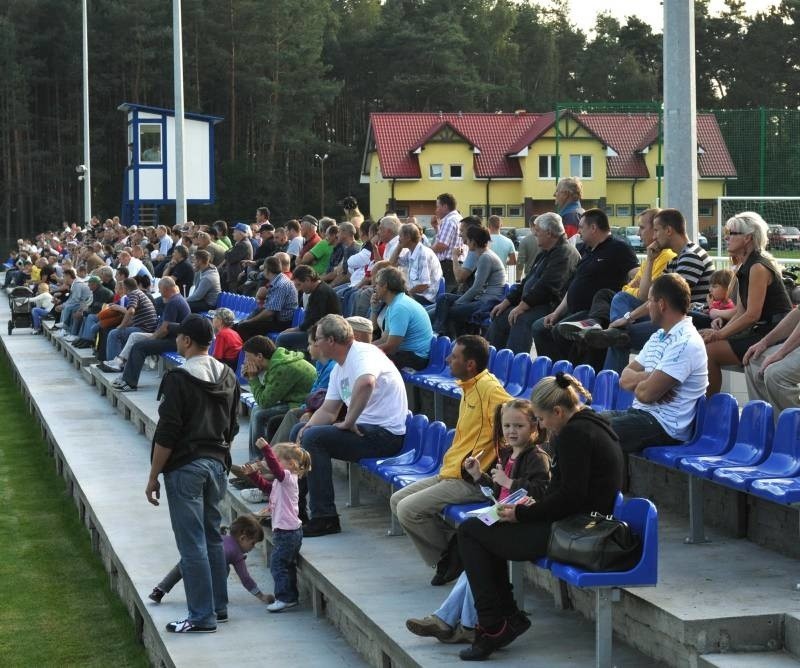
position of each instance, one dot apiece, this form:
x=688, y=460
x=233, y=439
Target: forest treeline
x=297, y=77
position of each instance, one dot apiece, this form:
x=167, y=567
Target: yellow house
x=507, y=164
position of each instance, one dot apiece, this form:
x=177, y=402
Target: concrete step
x=697, y=609
x=749, y=660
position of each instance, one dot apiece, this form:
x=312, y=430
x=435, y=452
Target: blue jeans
x=194, y=494
x=259, y=418
x=139, y=353
x=617, y=357
x=116, y=340
x=66, y=314
x=324, y=443
x=293, y=341
x=638, y=429
x=283, y=563
x=37, y=313
x=622, y=303
x=90, y=327
x=459, y=606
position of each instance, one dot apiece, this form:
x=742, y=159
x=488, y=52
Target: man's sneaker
x=222, y=617
x=254, y=496
x=321, y=526
x=157, y=594
x=280, y=606
x=572, y=329
x=58, y=325
x=61, y=333
x=430, y=627
x=606, y=338
x=185, y=626
x=106, y=367
x=70, y=338
x=121, y=386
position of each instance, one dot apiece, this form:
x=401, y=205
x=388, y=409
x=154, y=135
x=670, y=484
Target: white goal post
x=783, y=211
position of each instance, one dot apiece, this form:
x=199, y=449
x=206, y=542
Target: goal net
x=782, y=215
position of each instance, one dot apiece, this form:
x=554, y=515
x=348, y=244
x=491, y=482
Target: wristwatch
x=627, y=316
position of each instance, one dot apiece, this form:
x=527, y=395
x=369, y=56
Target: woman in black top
x=763, y=301
x=586, y=476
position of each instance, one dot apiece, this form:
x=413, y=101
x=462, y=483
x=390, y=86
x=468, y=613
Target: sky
x=583, y=12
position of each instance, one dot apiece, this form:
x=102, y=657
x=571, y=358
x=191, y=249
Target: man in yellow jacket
x=419, y=505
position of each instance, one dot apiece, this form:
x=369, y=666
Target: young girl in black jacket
x=586, y=475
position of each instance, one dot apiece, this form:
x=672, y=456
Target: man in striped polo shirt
x=691, y=263
x=668, y=376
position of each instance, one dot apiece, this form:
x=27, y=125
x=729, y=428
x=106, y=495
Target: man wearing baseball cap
x=197, y=420
x=237, y=256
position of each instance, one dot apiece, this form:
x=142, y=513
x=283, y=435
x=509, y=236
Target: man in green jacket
x=279, y=379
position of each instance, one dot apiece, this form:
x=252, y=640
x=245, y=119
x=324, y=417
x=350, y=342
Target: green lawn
x=56, y=608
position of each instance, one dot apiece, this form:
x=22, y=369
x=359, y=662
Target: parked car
x=633, y=239
x=783, y=238
x=516, y=234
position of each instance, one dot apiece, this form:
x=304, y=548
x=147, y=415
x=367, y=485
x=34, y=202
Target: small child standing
x=287, y=462
x=245, y=531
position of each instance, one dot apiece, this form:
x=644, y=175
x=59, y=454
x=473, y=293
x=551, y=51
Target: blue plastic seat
x=753, y=441
x=561, y=366
x=778, y=490
x=427, y=461
x=540, y=367
x=715, y=436
x=442, y=287
x=239, y=363
x=606, y=388
x=440, y=347
x=624, y=400
x=518, y=375
x=783, y=461
x=585, y=373
x=642, y=517
x=430, y=380
x=412, y=442
x=500, y=367
x=297, y=318
x=406, y=479
x=457, y=512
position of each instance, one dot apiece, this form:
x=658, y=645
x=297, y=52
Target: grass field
x=56, y=608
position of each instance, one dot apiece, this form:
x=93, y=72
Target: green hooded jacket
x=287, y=380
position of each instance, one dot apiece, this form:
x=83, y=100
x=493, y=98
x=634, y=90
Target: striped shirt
x=281, y=298
x=144, y=314
x=681, y=354
x=695, y=265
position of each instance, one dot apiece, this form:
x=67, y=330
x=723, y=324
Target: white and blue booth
x=150, y=173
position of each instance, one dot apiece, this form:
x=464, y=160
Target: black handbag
x=594, y=542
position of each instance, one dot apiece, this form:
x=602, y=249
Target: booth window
x=149, y=143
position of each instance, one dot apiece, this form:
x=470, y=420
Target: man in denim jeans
x=191, y=447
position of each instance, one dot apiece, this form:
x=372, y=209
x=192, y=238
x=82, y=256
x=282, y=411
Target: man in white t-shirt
x=502, y=246
x=370, y=386
x=667, y=377
x=420, y=265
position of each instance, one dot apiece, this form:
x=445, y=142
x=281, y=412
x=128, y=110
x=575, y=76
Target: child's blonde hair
x=43, y=287
x=294, y=453
x=523, y=406
x=245, y=525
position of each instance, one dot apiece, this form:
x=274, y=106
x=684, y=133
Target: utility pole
x=322, y=159
x=177, y=67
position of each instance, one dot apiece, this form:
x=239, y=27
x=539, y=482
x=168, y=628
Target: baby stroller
x=21, y=307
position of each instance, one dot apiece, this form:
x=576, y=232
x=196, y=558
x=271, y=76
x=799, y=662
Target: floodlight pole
x=177, y=66
x=87, y=173
x=680, y=112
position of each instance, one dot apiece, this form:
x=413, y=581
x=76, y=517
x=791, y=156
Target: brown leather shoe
x=430, y=627
x=460, y=635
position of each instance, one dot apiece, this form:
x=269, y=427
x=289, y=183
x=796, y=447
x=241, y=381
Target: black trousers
x=405, y=358
x=486, y=551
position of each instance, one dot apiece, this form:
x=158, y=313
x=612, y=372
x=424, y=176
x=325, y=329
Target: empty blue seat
x=239, y=363
x=561, y=366
x=753, y=441
x=518, y=375
x=778, y=490
x=297, y=318
x=783, y=461
x=430, y=380
x=585, y=373
x=501, y=365
x=440, y=348
x=540, y=367
x=429, y=458
x=606, y=388
x=715, y=436
x=412, y=442
x=408, y=478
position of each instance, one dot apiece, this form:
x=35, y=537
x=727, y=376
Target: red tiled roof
x=500, y=136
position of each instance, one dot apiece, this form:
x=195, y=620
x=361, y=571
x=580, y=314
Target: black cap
x=198, y=329
x=266, y=227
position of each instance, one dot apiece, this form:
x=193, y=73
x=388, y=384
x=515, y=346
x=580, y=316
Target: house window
x=548, y=166
x=456, y=171
x=497, y=211
x=623, y=210
x=401, y=211
x=514, y=211
x=477, y=210
x=580, y=166
x=436, y=172
x=609, y=210
x=639, y=209
x=150, y=143
x=705, y=210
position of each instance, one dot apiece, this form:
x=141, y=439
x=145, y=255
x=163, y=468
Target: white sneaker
x=61, y=333
x=70, y=338
x=116, y=364
x=58, y=325
x=253, y=495
x=280, y=606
